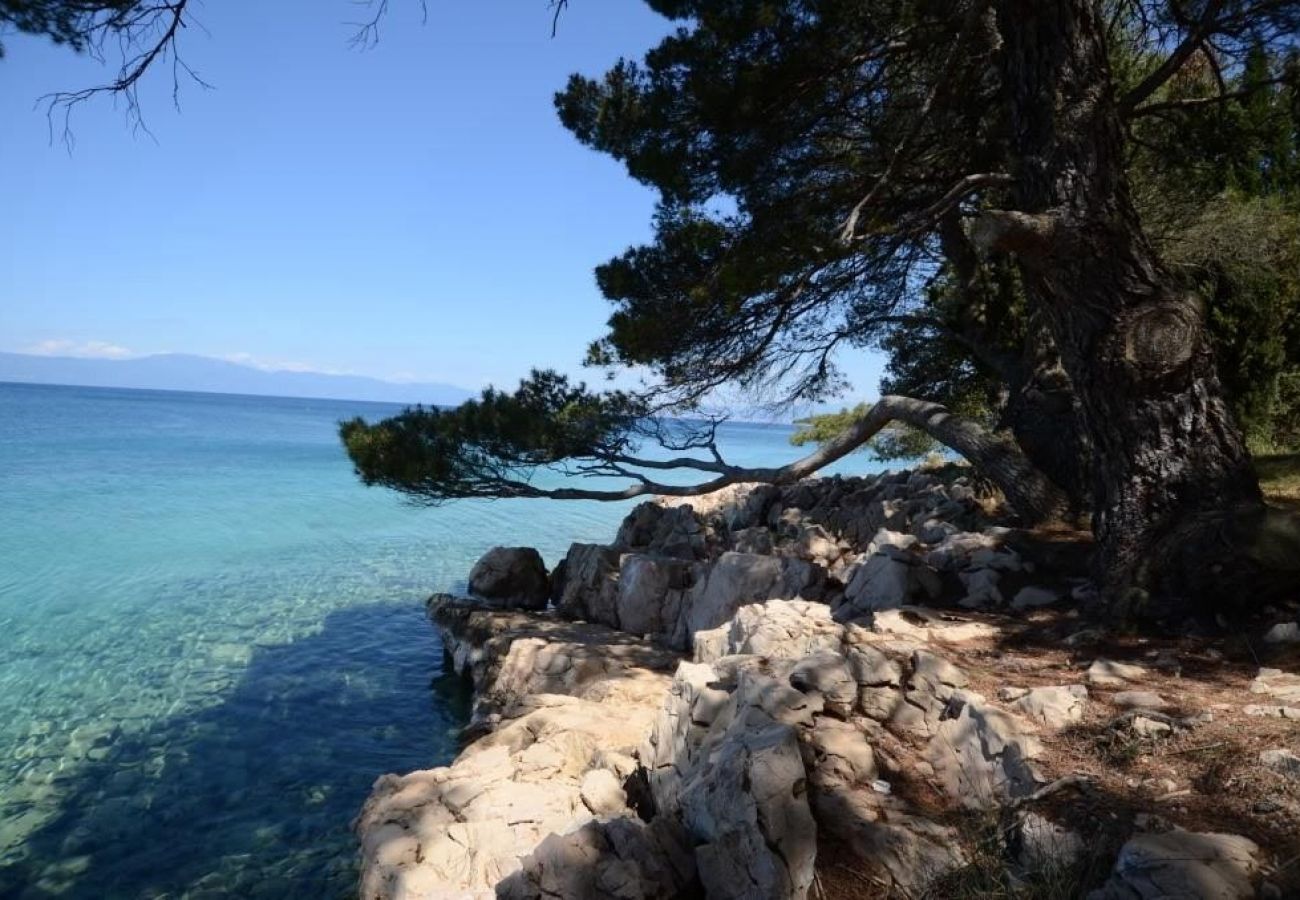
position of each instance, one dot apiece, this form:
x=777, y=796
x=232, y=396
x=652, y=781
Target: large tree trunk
x=1169, y=464
x=1042, y=411
x=1039, y=406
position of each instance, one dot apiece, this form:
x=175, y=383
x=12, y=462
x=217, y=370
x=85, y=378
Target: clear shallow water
x=212, y=637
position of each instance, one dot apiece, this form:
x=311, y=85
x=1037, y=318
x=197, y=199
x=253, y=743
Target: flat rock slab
x=1108, y=673
x=1033, y=597
x=1272, y=711
x=1285, y=686
x=1139, y=700
x=1283, y=762
x=1054, y=707
x=929, y=625
x=1283, y=633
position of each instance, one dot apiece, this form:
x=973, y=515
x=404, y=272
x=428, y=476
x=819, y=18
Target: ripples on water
x=212, y=638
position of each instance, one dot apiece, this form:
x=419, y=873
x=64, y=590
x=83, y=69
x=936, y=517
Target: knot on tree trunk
x=1157, y=343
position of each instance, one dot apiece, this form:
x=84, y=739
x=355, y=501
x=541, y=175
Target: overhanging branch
x=1174, y=61
x=1185, y=103
x=996, y=456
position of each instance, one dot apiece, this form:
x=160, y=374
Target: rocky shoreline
x=826, y=689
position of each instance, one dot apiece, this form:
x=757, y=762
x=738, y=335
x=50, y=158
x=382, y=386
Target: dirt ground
x=1203, y=775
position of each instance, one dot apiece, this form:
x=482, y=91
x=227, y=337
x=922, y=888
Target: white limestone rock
x=651, y=593
x=982, y=756
x=1182, y=864
x=619, y=859
x=1139, y=700
x=1282, y=761
x=827, y=673
x=788, y=629
x=1041, y=845
x=1283, y=633
x=1053, y=707
x=1283, y=686
x=982, y=590
x=736, y=580
x=602, y=793
x=1034, y=597
x=1108, y=673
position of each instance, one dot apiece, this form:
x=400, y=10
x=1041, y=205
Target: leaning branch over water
x=493, y=446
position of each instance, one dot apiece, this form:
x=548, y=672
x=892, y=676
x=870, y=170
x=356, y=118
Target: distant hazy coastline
x=185, y=372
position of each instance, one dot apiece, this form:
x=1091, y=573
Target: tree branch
x=1198, y=102
x=1174, y=61
x=1009, y=231
x=558, y=6
x=153, y=30
x=1027, y=491
x=959, y=192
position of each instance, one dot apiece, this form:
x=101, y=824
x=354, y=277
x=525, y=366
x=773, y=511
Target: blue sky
x=411, y=212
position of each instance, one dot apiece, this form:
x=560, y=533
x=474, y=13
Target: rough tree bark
x=1042, y=412
x=1170, y=467
x=1040, y=407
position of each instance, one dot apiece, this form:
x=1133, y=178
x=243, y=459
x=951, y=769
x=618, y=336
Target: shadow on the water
x=254, y=795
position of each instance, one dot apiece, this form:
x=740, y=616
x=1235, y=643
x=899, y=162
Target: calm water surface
x=212, y=638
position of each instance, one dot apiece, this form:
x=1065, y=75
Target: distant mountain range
x=183, y=372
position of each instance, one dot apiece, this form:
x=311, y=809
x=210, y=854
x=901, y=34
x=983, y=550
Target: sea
x=212, y=637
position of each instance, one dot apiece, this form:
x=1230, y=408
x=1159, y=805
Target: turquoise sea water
x=212, y=638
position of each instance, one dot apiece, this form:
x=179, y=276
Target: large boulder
x=590, y=588
x=735, y=580
x=660, y=530
x=511, y=577
x=788, y=629
x=894, y=575
x=724, y=758
x=1182, y=864
x=651, y=591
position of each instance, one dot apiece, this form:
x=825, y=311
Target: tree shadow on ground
x=254, y=796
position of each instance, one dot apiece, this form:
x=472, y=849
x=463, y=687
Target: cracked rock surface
x=737, y=683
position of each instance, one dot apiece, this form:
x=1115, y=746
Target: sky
x=413, y=211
